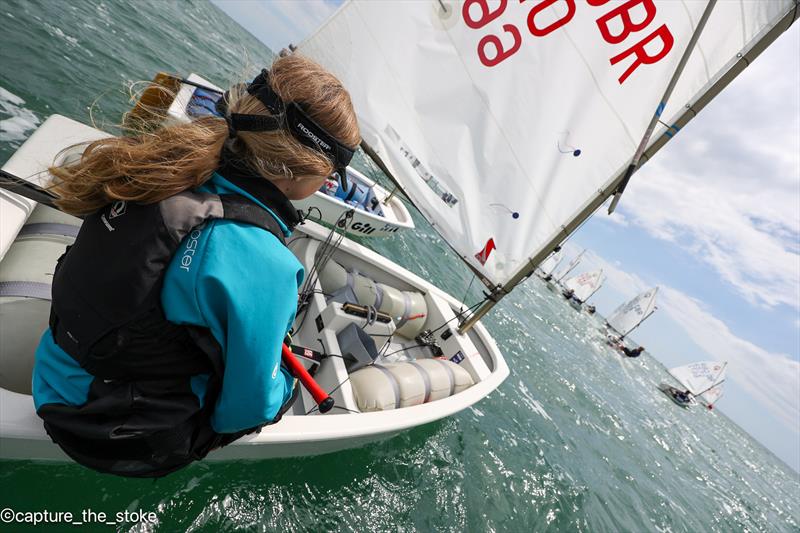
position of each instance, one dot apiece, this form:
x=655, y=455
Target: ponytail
x=146, y=168
x=157, y=163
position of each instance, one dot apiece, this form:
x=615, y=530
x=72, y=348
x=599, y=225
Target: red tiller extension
x=324, y=401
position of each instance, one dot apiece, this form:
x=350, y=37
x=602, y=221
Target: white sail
x=570, y=266
x=586, y=284
x=712, y=395
x=507, y=122
x=701, y=376
x=629, y=315
x=549, y=265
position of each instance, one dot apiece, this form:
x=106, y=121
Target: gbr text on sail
x=628, y=25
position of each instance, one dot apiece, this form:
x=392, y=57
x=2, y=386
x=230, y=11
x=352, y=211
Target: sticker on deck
x=458, y=357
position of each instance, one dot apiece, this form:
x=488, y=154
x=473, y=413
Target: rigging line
x=405, y=349
x=382, y=352
x=325, y=252
x=460, y=314
x=332, y=391
x=466, y=292
x=314, y=208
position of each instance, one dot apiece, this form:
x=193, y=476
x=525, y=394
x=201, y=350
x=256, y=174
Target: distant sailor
x=682, y=396
x=636, y=352
x=170, y=309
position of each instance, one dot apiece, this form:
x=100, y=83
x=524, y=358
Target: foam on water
x=16, y=122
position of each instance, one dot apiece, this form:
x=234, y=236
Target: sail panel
x=586, y=284
x=570, y=266
x=502, y=119
x=699, y=377
x=549, y=265
x=629, y=315
x=712, y=396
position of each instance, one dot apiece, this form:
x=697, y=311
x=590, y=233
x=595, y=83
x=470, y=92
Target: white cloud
x=727, y=189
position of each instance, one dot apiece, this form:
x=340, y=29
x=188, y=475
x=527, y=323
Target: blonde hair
x=155, y=164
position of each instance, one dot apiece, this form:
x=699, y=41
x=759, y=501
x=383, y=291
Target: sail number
x=494, y=49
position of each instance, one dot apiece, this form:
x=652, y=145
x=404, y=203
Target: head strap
x=293, y=117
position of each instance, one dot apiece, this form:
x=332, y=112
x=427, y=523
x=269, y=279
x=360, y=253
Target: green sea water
x=576, y=439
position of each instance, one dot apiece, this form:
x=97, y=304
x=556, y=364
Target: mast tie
x=497, y=294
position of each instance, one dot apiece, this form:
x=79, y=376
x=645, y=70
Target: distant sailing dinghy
x=376, y=212
x=630, y=315
x=549, y=265
x=578, y=289
x=697, y=380
x=554, y=282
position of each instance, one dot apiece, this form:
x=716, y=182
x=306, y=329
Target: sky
x=713, y=220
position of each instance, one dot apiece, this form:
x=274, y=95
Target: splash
x=15, y=120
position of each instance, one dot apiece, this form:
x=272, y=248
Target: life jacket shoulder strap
x=240, y=209
x=189, y=209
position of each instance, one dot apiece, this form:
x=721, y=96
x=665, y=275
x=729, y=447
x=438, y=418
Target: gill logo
x=275, y=370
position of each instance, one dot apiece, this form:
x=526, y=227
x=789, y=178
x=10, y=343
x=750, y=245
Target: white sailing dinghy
x=376, y=212
x=554, y=283
x=503, y=159
x=549, y=265
x=630, y=315
x=696, y=380
x=578, y=289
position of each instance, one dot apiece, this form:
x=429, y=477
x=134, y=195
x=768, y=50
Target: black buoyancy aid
x=141, y=417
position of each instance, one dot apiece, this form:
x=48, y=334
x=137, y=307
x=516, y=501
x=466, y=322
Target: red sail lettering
x=500, y=54
x=628, y=26
x=538, y=8
x=642, y=57
x=486, y=14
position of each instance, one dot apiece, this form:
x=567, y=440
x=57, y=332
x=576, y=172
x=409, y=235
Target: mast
x=598, y=286
x=576, y=260
x=690, y=111
x=663, y=103
x=711, y=387
x=381, y=165
x=639, y=324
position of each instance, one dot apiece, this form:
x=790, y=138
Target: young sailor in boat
x=169, y=310
x=681, y=396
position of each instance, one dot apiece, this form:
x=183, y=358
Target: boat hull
x=364, y=223
x=670, y=391
x=22, y=435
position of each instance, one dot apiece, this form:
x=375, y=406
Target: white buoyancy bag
x=407, y=308
x=395, y=385
x=26, y=274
